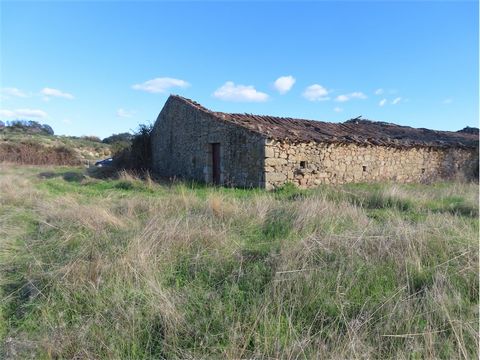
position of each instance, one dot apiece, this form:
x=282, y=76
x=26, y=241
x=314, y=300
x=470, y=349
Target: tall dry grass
x=145, y=271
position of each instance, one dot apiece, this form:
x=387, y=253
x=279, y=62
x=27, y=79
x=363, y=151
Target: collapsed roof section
x=357, y=131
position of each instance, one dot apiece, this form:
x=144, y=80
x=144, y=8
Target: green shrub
x=138, y=155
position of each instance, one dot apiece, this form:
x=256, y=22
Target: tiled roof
x=358, y=130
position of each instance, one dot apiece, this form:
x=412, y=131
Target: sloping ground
x=39, y=149
x=130, y=269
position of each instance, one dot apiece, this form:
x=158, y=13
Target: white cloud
x=31, y=113
x=396, y=100
x=284, y=83
x=231, y=92
x=316, y=92
x=342, y=98
x=379, y=92
x=23, y=113
x=353, y=95
x=382, y=102
x=67, y=121
x=338, y=109
x=160, y=85
x=11, y=91
x=448, y=101
x=358, y=95
x=49, y=92
x=4, y=113
x=124, y=113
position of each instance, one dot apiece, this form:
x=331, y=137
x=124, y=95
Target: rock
x=275, y=177
x=269, y=152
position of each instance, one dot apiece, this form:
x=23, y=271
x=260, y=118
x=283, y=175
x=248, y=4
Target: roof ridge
x=358, y=130
x=192, y=103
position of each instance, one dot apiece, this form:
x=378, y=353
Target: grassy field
x=131, y=269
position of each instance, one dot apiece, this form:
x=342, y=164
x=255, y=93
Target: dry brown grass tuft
x=318, y=214
x=16, y=191
x=92, y=269
x=67, y=210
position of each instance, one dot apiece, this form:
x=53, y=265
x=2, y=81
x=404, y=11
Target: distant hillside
x=469, y=130
x=23, y=147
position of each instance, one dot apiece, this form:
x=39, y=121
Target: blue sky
x=97, y=68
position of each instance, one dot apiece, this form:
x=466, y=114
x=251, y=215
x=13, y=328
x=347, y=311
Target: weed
x=129, y=268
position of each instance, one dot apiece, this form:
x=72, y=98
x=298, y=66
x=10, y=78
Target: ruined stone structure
x=192, y=142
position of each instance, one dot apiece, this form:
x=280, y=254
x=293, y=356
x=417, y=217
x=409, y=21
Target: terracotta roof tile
x=358, y=130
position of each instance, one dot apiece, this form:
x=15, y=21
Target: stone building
x=194, y=143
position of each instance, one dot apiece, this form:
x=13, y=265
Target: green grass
x=131, y=269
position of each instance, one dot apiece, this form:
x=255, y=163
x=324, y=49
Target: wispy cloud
x=316, y=92
x=338, y=109
x=124, y=113
x=50, y=92
x=396, y=100
x=22, y=113
x=448, y=101
x=284, y=83
x=12, y=91
x=382, y=102
x=379, y=91
x=353, y=95
x=35, y=113
x=160, y=85
x=4, y=113
x=242, y=93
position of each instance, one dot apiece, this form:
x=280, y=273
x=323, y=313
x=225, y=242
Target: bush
x=32, y=153
x=138, y=155
x=91, y=138
x=118, y=138
x=119, y=142
x=118, y=147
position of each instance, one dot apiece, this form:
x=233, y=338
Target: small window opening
x=423, y=170
x=303, y=164
x=364, y=168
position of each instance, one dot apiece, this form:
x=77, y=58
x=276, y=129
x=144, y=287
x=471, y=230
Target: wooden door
x=216, y=163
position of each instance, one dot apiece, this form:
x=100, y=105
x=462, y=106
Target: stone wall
x=183, y=135
x=311, y=164
x=181, y=147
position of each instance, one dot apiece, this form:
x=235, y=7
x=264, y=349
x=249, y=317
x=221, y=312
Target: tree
x=115, y=138
x=30, y=126
x=47, y=129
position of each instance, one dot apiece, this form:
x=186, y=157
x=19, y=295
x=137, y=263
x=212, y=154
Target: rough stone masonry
x=193, y=143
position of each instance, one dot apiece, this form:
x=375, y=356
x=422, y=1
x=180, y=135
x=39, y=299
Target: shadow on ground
x=70, y=176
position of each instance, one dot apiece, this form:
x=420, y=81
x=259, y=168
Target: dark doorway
x=216, y=163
